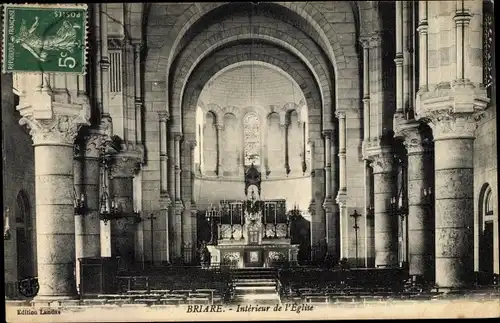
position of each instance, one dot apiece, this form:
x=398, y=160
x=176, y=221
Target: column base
x=50, y=299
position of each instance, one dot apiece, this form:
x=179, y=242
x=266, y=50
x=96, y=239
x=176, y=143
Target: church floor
x=197, y=286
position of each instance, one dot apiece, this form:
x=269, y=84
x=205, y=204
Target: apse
x=252, y=113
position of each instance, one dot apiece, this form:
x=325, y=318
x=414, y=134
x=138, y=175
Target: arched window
x=24, y=236
x=23, y=213
x=488, y=205
x=251, y=134
x=210, y=144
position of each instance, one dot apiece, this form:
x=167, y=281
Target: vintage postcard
x=242, y=161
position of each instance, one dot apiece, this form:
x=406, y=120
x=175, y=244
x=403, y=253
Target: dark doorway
x=486, y=249
x=24, y=237
x=24, y=255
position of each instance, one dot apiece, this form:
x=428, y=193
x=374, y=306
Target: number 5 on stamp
x=44, y=38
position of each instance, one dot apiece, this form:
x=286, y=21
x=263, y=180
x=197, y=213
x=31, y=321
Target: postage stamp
x=44, y=38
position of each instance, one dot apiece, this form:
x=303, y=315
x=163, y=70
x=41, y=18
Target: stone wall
x=18, y=174
x=486, y=172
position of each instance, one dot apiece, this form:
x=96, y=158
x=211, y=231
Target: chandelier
x=6, y=227
x=80, y=203
x=109, y=208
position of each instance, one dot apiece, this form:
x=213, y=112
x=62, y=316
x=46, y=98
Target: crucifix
x=151, y=217
x=356, y=215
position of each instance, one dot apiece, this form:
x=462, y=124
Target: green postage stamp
x=44, y=38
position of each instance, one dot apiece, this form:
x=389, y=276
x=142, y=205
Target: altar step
x=254, y=273
x=255, y=290
x=253, y=281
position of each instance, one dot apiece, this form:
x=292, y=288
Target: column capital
x=164, y=116
x=365, y=42
x=54, y=115
x=179, y=206
x=413, y=139
x=60, y=129
x=462, y=16
x=191, y=144
x=452, y=112
x=94, y=143
x=340, y=114
x=124, y=164
x=219, y=126
x=328, y=204
x=327, y=133
x=448, y=125
x=341, y=198
x=375, y=40
x=165, y=201
x=177, y=136
x=382, y=163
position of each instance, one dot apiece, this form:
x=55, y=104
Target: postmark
x=29, y=286
x=44, y=38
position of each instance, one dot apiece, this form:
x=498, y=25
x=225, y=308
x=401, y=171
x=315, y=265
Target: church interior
x=329, y=151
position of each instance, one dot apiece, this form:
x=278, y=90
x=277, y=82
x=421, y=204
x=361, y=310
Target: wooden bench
x=148, y=301
x=171, y=301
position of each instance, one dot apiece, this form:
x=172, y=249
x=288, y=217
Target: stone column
x=333, y=227
x=454, y=208
x=420, y=229
x=174, y=251
x=366, y=90
x=137, y=91
x=163, y=116
x=87, y=181
x=386, y=237
x=399, y=57
x=342, y=193
x=452, y=105
x=328, y=201
x=341, y=115
x=124, y=166
x=422, y=45
x=179, y=205
x=188, y=221
x=53, y=127
x=284, y=130
x=194, y=222
x=104, y=63
x=94, y=144
x=219, y=128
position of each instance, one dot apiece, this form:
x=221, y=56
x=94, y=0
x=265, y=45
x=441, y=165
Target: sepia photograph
x=249, y=161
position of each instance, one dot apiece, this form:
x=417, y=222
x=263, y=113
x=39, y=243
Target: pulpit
x=252, y=233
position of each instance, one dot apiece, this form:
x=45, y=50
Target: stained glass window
x=251, y=134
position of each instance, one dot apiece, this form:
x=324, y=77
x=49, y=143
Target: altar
x=251, y=233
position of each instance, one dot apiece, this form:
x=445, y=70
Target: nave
x=193, y=285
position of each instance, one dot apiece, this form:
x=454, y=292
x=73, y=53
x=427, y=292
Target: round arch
x=237, y=54
x=234, y=55
x=305, y=50
x=301, y=14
